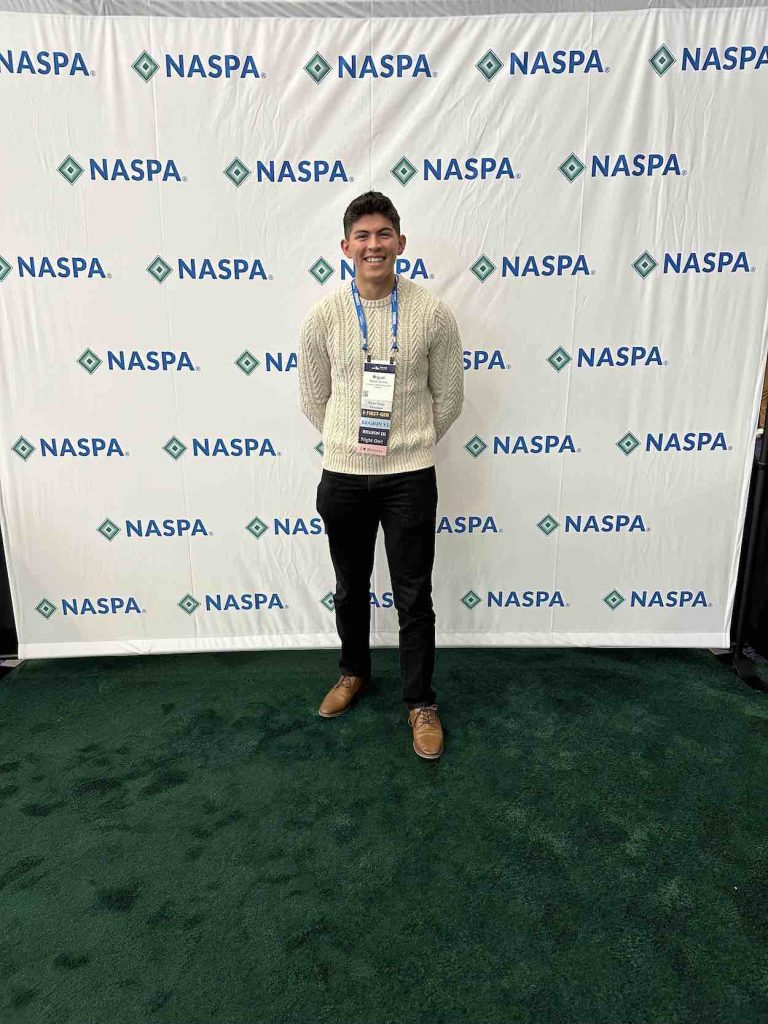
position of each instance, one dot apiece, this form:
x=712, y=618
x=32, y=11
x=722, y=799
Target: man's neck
x=376, y=291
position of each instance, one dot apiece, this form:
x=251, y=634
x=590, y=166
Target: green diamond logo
x=482, y=268
x=23, y=448
x=548, y=525
x=321, y=270
x=145, y=66
x=70, y=169
x=327, y=601
x=628, y=443
x=257, y=528
x=158, y=269
x=175, y=448
x=470, y=600
x=319, y=448
x=5, y=269
x=403, y=170
x=571, y=167
x=489, y=65
x=188, y=604
x=317, y=68
x=46, y=608
x=662, y=60
x=614, y=599
x=109, y=529
x=475, y=447
x=645, y=264
x=559, y=359
x=247, y=363
x=237, y=172
x=89, y=361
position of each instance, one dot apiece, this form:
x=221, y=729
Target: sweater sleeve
x=314, y=369
x=446, y=369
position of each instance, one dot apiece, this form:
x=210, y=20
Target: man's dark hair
x=370, y=202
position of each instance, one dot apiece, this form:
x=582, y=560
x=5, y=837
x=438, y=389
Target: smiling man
x=381, y=377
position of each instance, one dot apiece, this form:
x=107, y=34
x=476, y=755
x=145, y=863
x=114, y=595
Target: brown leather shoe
x=340, y=696
x=427, y=732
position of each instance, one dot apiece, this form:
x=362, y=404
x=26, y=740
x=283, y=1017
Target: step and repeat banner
x=586, y=190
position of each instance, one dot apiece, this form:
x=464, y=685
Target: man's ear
x=345, y=247
x=401, y=248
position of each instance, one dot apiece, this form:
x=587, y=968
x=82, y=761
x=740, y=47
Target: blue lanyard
x=364, y=324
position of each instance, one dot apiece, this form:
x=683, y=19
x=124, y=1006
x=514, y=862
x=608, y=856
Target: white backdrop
x=569, y=337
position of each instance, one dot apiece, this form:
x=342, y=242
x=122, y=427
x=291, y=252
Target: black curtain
x=8, y=639
x=756, y=593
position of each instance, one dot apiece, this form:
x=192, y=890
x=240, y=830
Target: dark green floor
x=185, y=840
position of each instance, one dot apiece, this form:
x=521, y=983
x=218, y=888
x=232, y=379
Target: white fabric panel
x=699, y=336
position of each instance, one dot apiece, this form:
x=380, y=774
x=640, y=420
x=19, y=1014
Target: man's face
x=373, y=245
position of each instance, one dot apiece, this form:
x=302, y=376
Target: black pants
x=351, y=507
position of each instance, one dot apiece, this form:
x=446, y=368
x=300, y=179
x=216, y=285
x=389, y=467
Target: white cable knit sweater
x=429, y=382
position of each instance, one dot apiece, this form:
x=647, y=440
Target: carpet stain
x=41, y=810
x=158, y=1000
x=96, y=786
x=164, y=781
x=35, y=730
x=163, y=916
x=22, y=997
x=19, y=870
x=71, y=961
x=117, y=901
x=315, y=931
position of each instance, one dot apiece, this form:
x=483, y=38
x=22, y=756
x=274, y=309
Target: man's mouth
x=373, y=259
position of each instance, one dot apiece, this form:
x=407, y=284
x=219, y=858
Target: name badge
x=376, y=408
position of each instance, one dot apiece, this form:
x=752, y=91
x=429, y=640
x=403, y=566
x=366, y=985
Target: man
x=381, y=377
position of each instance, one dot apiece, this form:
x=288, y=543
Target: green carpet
x=185, y=840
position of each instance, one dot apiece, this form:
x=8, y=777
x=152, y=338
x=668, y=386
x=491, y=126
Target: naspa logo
x=523, y=444
x=42, y=267
x=676, y=441
x=485, y=359
x=711, y=58
x=287, y=526
x=353, y=65
x=623, y=165
x=461, y=525
x=138, y=361
x=294, y=172
x=79, y=606
x=131, y=169
x=230, y=268
x=43, y=62
x=721, y=262
x=523, y=63
x=382, y=599
x=70, y=447
x=227, y=447
x=155, y=528
x=414, y=269
x=274, y=362
x=471, y=168
x=549, y=265
x=610, y=522
x=598, y=357
x=198, y=65
x=659, y=599
x=525, y=599
x=231, y=602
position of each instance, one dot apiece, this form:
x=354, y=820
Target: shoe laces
x=345, y=682
x=425, y=716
